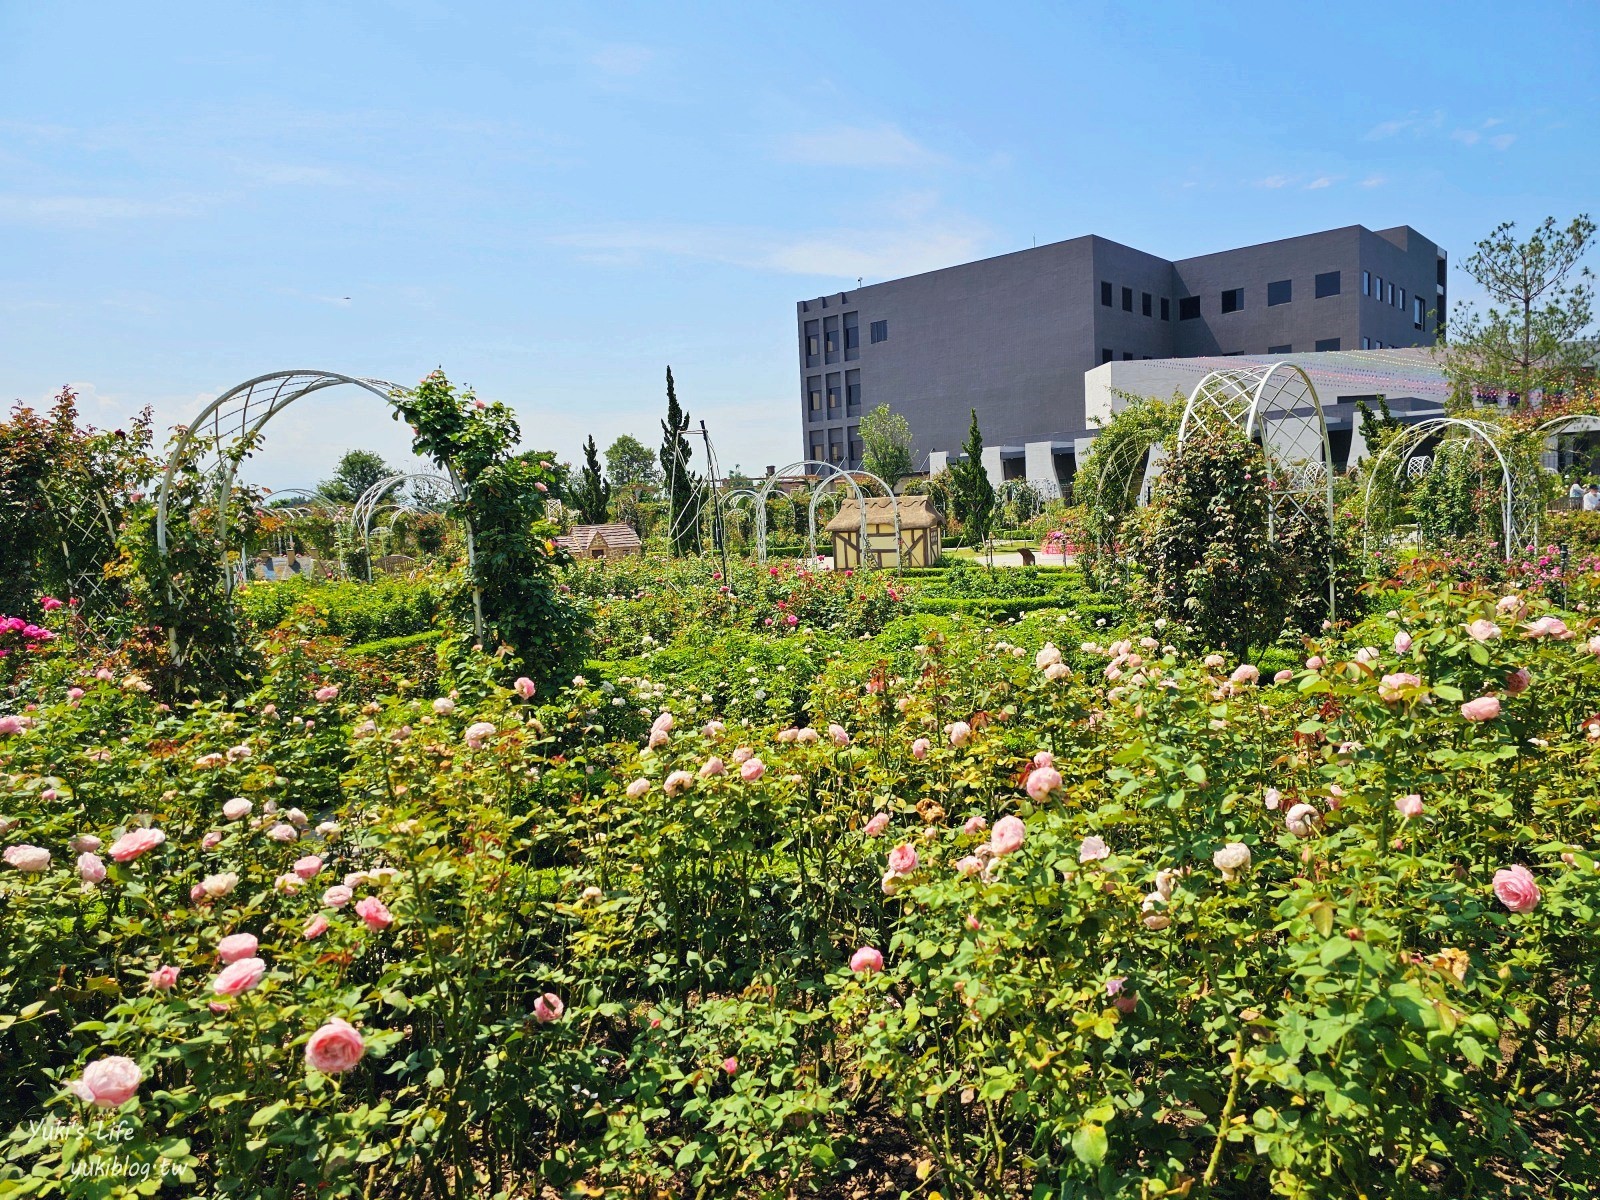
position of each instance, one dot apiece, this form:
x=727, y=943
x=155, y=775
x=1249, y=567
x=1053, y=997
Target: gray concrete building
x=1013, y=336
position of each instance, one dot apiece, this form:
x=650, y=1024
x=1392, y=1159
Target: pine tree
x=972, y=493
x=591, y=495
x=683, y=489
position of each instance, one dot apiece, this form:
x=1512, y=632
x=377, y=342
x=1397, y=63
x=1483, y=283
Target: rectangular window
x=1377, y=287
x=852, y=336
x=1106, y=356
x=1188, y=308
x=814, y=395
x=1366, y=283
x=1327, y=284
x=852, y=390
x=830, y=339
x=1105, y=293
x=1280, y=349
x=1416, y=312
x=833, y=392
x=1280, y=293
x=813, y=345
x=1232, y=300
x=1441, y=270
x=816, y=451
x=1327, y=344
x=1166, y=309
x=1127, y=299
x=880, y=332
x=1366, y=343
x=1389, y=299
x=1127, y=356
x=1401, y=303
x=1145, y=300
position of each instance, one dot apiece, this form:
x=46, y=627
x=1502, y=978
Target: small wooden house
x=919, y=533
x=602, y=541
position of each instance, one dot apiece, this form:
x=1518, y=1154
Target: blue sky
x=555, y=201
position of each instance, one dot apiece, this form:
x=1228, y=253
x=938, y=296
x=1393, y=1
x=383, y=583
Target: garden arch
x=368, y=504
x=227, y=429
x=1412, y=437
x=811, y=466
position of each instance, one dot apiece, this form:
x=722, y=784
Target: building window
x=1377, y=288
x=1390, y=297
x=1166, y=309
x=1105, y=293
x=816, y=451
x=1144, y=303
x=880, y=332
x=1366, y=283
x=1188, y=308
x=1366, y=343
x=1402, y=301
x=833, y=393
x=1106, y=356
x=1232, y=300
x=1280, y=349
x=852, y=336
x=814, y=395
x=1127, y=356
x=1441, y=270
x=1327, y=344
x=1416, y=312
x=1127, y=299
x=852, y=390
x=813, y=348
x=1327, y=284
x=1280, y=292
x=830, y=339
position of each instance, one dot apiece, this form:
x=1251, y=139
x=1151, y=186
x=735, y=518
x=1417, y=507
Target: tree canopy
x=630, y=462
x=886, y=438
x=357, y=471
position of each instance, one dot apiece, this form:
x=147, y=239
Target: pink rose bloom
x=197, y=894
x=10, y=724
x=308, y=867
x=902, y=859
x=807, y=736
x=866, y=960
x=49, y=603
x=1041, y=782
x=876, y=825
x=337, y=896
x=713, y=766
x=1092, y=849
x=730, y=1065
x=336, y=1047
x=548, y=1008
x=211, y=840
x=372, y=911
x=1283, y=676
x=236, y=809
x=1315, y=663
x=974, y=826
x=524, y=687
x=282, y=832
x=324, y=694
x=1302, y=820
x=1402, y=642
x=236, y=946
x=743, y=755
x=478, y=733
x=752, y=770
x=90, y=868
x=108, y=1082
x=638, y=788
x=1409, y=807
x=74, y=694
x=839, y=736
x=1551, y=627
x=1593, y=645
x=136, y=842
x=1484, y=708
x=28, y=859
x=788, y=735
x=164, y=978
x=1389, y=686
x=444, y=706
x=960, y=731
x=1007, y=835
x=1245, y=673
x=84, y=842
x=288, y=883
x=1514, y=887
x=239, y=977
x=315, y=928
x=1518, y=681
x=969, y=864
x=1483, y=631
x=678, y=782
x=215, y=886
x=713, y=729
x=919, y=748
x=791, y=620
x=1043, y=758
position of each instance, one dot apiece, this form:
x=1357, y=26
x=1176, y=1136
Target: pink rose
x=1518, y=681
x=713, y=729
x=838, y=735
x=679, y=782
x=1514, y=887
x=807, y=736
x=960, y=731
x=90, y=868
x=876, y=825
x=902, y=859
x=211, y=840
x=1483, y=631
x=444, y=706
x=524, y=687
x=1283, y=676
x=236, y=809
x=548, y=1008
x=1409, y=807
x=136, y=842
x=477, y=733
x=1092, y=849
x=74, y=694
x=1245, y=673
x=215, y=886
x=108, y=1082
x=1041, y=782
x=1315, y=663
x=743, y=755
x=308, y=867
x=84, y=842
x=1484, y=708
x=638, y=788
x=969, y=864
x=28, y=859
x=919, y=748
x=713, y=766
x=752, y=770
x=730, y=1065
x=337, y=896
x=1402, y=642
x=372, y=911
x=974, y=826
x=1390, y=686
x=1008, y=835
x=239, y=977
x=324, y=694
x=315, y=928
x=335, y=1047
x=164, y=978
x=1551, y=627
x=866, y=960
x=282, y=832
x=236, y=946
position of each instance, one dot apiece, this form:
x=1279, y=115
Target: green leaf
x=1089, y=1144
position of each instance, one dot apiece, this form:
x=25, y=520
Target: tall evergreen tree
x=683, y=489
x=972, y=494
x=591, y=495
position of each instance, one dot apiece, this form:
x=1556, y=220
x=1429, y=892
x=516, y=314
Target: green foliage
x=971, y=493
x=886, y=444
x=591, y=495
x=357, y=471
x=684, y=493
x=1106, y=486
x=356, y=611
x=630, y=463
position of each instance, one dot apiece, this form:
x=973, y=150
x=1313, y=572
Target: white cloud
x=1321, y=181
x=1372, y=181
x=857, y=146
x=1414, y=123
x=1467, y=137
x=1502, y=141
x=1275, y=181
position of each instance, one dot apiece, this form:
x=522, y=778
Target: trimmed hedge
x=356, y=611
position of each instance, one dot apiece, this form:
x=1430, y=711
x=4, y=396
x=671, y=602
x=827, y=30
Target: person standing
x=1575, y=495
x=1591, y=498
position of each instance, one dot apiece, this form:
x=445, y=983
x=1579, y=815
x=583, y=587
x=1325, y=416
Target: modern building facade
x=1014, y=336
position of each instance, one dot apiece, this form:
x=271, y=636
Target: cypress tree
x=683, y=489
x=591, y=496
x=972, y=493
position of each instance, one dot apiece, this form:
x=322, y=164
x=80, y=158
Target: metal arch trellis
x=1277, y=404
x=810, y=466
x=367, y=504
x=226, y=431
x=1529, y=504
x=736, y=499
x=315, y=502
x=1409, y=440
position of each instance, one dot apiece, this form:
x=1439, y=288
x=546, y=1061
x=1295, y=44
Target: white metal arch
x=811, y=466
x=1415, y=435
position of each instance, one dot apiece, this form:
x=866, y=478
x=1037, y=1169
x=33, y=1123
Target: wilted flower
x=1302, y=820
